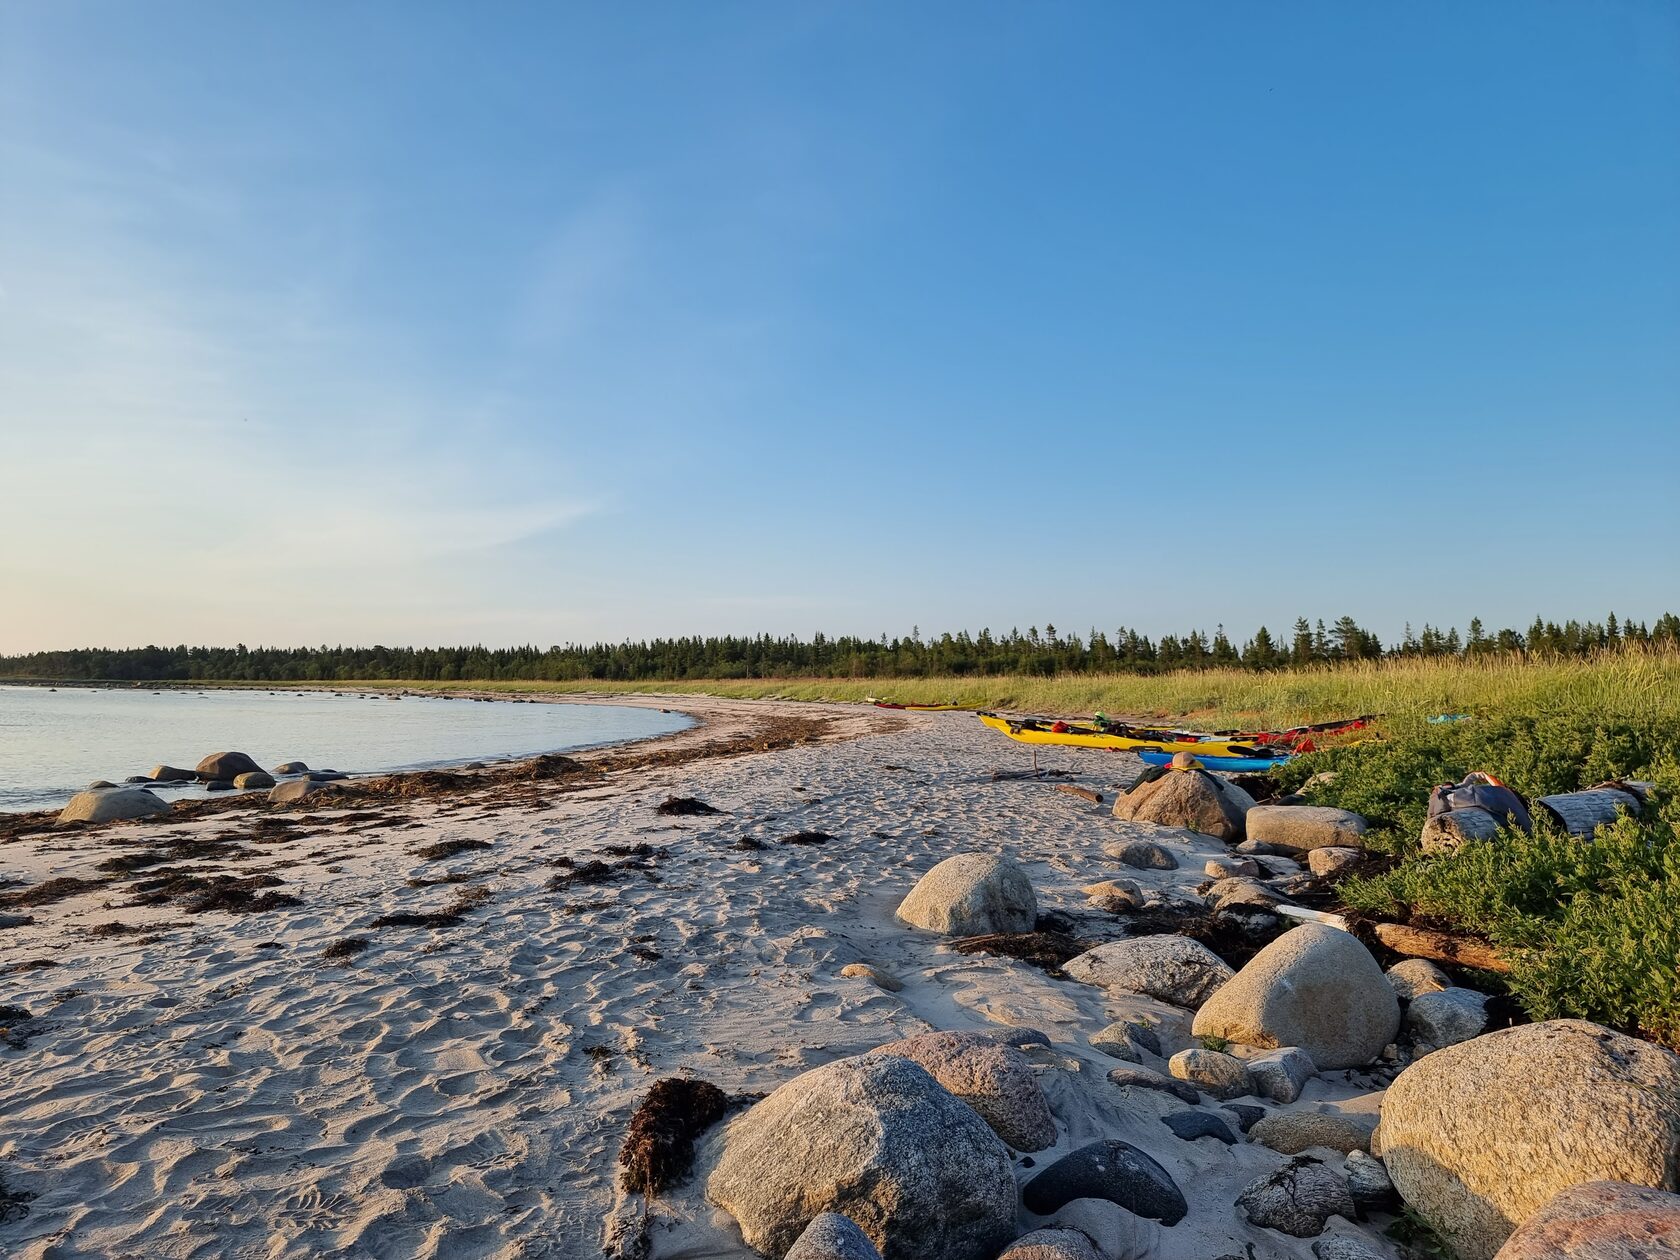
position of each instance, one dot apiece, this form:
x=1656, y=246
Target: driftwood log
x=1071, y=789
x=1449, y=832
x=1461, y=951
x=1583, y=813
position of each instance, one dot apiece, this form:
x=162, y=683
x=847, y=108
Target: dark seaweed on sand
x=344, y=949
x=685, y=806
x=49, y=891
x=450, y=916
x=449, y=848
x=14, y=1204
x=659, y=1148
x=197, y=894
x=1044, y=950
x=806, y=837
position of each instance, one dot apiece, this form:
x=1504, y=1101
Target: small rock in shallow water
x=1190, y=1125
x=1112, y=1170
x=1298, y=1198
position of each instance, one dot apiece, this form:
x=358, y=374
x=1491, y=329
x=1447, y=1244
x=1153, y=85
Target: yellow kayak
x=1085, y=735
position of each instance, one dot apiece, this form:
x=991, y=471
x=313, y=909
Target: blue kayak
x=1229, y=765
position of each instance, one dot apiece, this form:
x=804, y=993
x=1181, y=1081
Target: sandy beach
x=214, y=1083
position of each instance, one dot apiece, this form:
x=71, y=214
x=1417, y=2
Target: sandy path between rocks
x=212, y=1086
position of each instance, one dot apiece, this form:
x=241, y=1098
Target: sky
x=422, y=323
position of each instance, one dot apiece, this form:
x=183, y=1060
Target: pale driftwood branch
x=1446, y=833
x=1461, y=951
x=1094, y=797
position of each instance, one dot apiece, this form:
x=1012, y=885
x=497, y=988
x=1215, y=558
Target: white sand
x=463, y=1092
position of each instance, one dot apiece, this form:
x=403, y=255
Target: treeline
x=1047, y=652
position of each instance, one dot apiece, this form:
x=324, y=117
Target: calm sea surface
x=54, y=743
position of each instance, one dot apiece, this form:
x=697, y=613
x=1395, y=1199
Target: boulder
x=1127, y=1039
x=1147, y=1078
x=1112, y=1170
x=219, y=785
x=326, y=776
x=291, y=767
x=1302, y=828
x=1291, y=1132
x=1243, y=891
x=1172, y=968
x=1117, y=1233
x=995, y=1079
x=1281, y=1075
x=1451, y=831
x=831, y=1236
x=112, y=805
x=1344, y=1247
x=1332, y=860
x=1190, y=1125
x=1145, y=855
x=253, y=779
x=1413, y=977
x=99, y=785
x=1446, y=1017
x=1222, y=1075
x=1315, y=987
x=296, y=790
x=224, y=766
x=972, y=894
x=1247, y=1115
x=1600, y=1220
x=1192, y=799
x=138, y=778
x=880, y=979
x=1052, y=1244
x=171, y=774
x=877, y=1140
x=1225, y=868
x=1298, y=1198
x=1478, y=1136
x=1369, y=1184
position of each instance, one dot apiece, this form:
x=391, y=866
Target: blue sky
x=404, y=323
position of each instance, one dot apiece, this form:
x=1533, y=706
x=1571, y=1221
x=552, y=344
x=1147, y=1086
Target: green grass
x=1629, y=683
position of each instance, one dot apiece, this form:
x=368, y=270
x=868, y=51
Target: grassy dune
x=1627, y=685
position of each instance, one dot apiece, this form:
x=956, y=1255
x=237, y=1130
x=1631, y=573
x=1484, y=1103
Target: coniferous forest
x=1045, y=651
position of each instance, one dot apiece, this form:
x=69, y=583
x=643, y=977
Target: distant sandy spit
x=413, y=1020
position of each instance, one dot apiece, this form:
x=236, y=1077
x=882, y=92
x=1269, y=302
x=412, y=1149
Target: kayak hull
x=1087, y=738
x=1229, y=765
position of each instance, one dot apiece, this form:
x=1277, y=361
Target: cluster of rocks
x=104, y=801
x=1552, y=1141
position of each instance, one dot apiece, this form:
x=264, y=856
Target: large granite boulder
x=993, y=1078
x=1478, y=1136
x=877, y=1140
x=1600, y=1220
x=1172, y=968
x=112, y=805
x=1302, y=828
x=972, y=894
x=1192, y=799
x=1315, y=987
x=171, y=774
x=225, y=767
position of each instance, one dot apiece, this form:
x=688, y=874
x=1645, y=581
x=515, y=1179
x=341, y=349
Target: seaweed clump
x=658, y=1151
